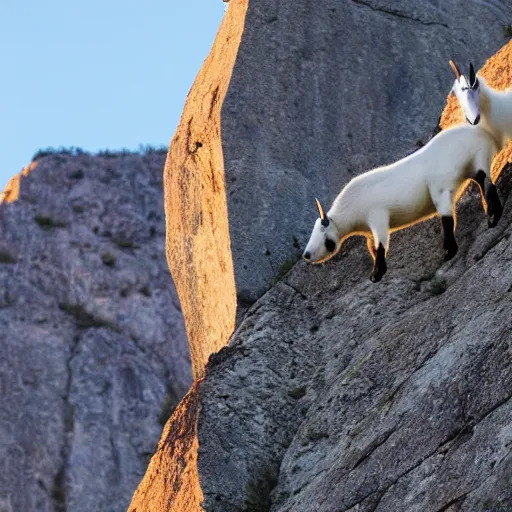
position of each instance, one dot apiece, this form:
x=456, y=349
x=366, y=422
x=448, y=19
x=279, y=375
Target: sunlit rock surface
x=93, y=353
x=198, y=241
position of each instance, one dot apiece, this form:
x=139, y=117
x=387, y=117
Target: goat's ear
x=455, y=69
x=472, y=76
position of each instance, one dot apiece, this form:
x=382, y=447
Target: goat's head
x=467, y=92
x=324, y=240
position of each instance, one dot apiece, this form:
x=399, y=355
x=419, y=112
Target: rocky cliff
x=93, y=353
x=334, y=393
x=295, y=98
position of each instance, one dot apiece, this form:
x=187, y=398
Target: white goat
x=395, y=196
x=481, y=103
x=492, y=111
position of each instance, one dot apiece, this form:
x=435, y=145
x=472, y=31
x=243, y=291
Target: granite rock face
x=93, y=353
x=337, y=394
x=322, y=91
x=318, y=93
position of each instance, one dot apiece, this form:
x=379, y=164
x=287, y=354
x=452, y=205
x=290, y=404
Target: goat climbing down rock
x=396, y=196
x=489, y=108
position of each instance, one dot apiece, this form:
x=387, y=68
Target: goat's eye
x=330, y=245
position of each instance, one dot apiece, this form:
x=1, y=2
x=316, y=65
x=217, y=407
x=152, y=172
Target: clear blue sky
x=97, y=74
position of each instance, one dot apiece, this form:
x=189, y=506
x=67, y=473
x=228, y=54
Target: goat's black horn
x=472, y=75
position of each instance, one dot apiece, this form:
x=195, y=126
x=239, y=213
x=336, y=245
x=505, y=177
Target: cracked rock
x=91, y=354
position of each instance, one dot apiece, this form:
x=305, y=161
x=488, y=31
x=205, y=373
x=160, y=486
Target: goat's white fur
x=413, y=189
x=495, y=111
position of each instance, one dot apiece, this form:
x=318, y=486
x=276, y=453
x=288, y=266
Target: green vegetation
x=507, y=31
x=145, y=290
x=355, y=369
x=47, y=223
x=7, y=257
x=298, y=392
x=438, y=286
x=285, y=268
x=86, y=320
x=142, y=150
x=108, y=259
x=77, y=175
x=171, y=400
x=75, y=151
x=147, y=149
x=257, y=491
x=72, y=151
x=124, y=243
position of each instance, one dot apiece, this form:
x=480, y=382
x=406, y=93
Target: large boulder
x=93, y=352
x=295, y=98
x=336, y=394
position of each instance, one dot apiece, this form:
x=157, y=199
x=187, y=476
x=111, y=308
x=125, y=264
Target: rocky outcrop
x=198, y=245
x=336, y=394
x=93, y=353
x=318, y=92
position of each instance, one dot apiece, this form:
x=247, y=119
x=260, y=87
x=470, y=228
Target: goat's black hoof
x=377, y=274
x=451, y=252
x=375, y=278
x=494, y=218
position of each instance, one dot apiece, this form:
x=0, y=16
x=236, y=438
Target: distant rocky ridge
x=93, y=353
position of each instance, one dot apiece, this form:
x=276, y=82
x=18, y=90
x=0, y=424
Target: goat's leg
x=494, y=206
x=443, y=201
x=379, y=225
x=449, y=243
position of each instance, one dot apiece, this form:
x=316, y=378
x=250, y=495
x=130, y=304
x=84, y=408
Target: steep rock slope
x=93, y=353
x=336, y=394
x=318, y=92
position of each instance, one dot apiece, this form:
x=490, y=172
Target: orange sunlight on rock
x=12, y=189
x=198, y=239
x=171, y=482
x=199, y=256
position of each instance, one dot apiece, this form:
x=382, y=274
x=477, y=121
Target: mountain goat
x=396, y=196
x=493, y=110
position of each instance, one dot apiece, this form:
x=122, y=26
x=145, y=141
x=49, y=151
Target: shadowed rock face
x=93, y=353
x=318, y=92
x=336, y=394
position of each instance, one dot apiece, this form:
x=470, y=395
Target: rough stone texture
x=318, y=93
x=322, y=91
x=93, y=353
x=198, y=246
x=336, y=394
x=177, y=488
